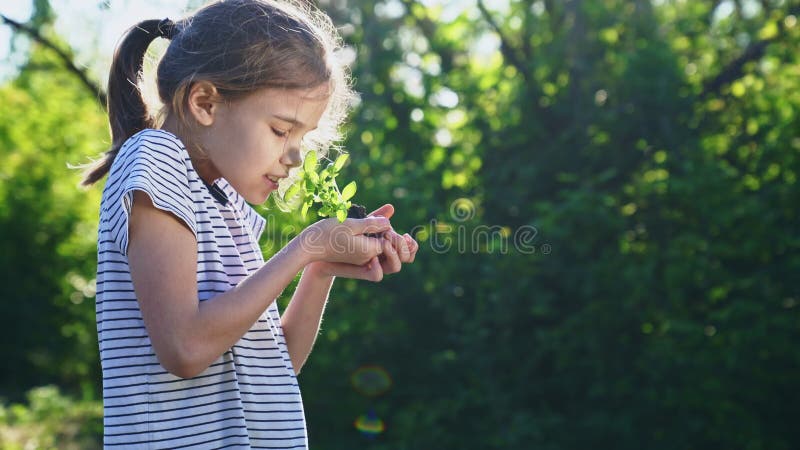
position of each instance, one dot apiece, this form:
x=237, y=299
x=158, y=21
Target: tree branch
x=556, y=19
x=509, y=51
x=428, y=29
x=527, y=49
x=96, y=91
x=575, y=50
x=735, y=69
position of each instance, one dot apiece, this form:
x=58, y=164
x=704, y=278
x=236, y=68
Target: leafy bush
x=51, y=420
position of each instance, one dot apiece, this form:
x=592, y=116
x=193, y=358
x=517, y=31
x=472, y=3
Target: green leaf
x=304, y=211
x=325, y=211
x=310, y=163
x=313, y=177
x=349, y=191
x=292, y=191
x=281, y=204
x=340, y=161
x=341, y=215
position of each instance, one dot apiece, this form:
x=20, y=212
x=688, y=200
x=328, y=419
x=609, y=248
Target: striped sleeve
x=251, y=217
x=152, y=162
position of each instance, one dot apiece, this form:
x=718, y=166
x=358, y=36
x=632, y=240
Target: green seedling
x=319, y=187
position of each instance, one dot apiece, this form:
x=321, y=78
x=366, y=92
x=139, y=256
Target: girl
x=193, y=349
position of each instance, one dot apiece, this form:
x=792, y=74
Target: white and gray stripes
x=249, y=397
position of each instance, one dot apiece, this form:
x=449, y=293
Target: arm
x=302, y=317
x=188, y=335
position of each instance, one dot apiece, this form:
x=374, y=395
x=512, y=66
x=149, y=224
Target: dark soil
x=357, y=211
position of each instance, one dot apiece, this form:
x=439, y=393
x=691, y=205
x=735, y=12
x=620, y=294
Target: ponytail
x=127, y=112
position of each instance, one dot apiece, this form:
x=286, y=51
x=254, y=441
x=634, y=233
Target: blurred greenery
x=650, y=150
x=51, y=420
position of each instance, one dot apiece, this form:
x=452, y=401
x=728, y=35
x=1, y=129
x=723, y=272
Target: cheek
x=248, y=144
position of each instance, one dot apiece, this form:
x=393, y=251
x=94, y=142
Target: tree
x=650, y=149
x=49, y=230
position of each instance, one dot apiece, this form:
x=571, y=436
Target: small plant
x=313, y=187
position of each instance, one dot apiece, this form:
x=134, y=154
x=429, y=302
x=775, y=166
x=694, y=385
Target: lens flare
x=369, y=424
x=371, y=380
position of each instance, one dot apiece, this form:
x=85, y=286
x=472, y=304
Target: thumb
x=374, y=224
x=386, y=210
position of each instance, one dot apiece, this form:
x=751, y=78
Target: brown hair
x=239, y=46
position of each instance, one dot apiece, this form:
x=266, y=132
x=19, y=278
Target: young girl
x=193, y=349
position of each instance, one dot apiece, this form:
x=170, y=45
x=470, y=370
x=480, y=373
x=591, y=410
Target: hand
x=396, y=250
x=328, y=240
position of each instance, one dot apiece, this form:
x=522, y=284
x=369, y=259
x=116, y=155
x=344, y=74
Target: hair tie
x=167, y=29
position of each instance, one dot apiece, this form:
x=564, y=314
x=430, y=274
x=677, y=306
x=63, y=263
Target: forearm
x=220, y=322
x=302, y=317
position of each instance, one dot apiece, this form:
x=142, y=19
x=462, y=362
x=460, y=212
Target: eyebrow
x=291, y=120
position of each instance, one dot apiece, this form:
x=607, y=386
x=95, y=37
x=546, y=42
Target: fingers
x=399, y=244
x=371, y=271
x=374, y=271
x=386, y=210
x=353, y=245
x=413, y=246
x=390, y=259
x=374, y=268
x=362, y=249
x=405, y=246
x=375, y=224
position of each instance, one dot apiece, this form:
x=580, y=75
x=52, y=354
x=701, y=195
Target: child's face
x=259, y=137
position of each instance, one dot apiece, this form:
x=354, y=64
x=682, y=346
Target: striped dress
x=249, y=396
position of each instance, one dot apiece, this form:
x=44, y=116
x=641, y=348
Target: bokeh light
x=369, y=424
x=371, y=380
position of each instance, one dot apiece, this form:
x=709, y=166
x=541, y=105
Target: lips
x=272, y=180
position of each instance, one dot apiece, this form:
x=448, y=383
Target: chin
x=256, y=198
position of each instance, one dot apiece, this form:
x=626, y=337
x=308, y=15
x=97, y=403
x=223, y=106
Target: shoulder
x=156, y=155
x=160, y=145
x=156, y=163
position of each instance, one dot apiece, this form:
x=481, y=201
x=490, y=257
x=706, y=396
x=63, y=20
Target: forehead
x=290, y=102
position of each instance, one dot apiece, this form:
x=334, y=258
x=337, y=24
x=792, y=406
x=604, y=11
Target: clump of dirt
x=357, y=211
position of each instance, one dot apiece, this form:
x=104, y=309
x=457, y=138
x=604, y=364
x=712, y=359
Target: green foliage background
x=654, y=307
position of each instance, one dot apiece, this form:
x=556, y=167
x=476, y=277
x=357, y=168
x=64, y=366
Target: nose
x=291, y=158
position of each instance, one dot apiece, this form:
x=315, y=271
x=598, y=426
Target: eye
x=280, y=133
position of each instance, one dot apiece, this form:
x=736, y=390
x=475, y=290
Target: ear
x=203, y=102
